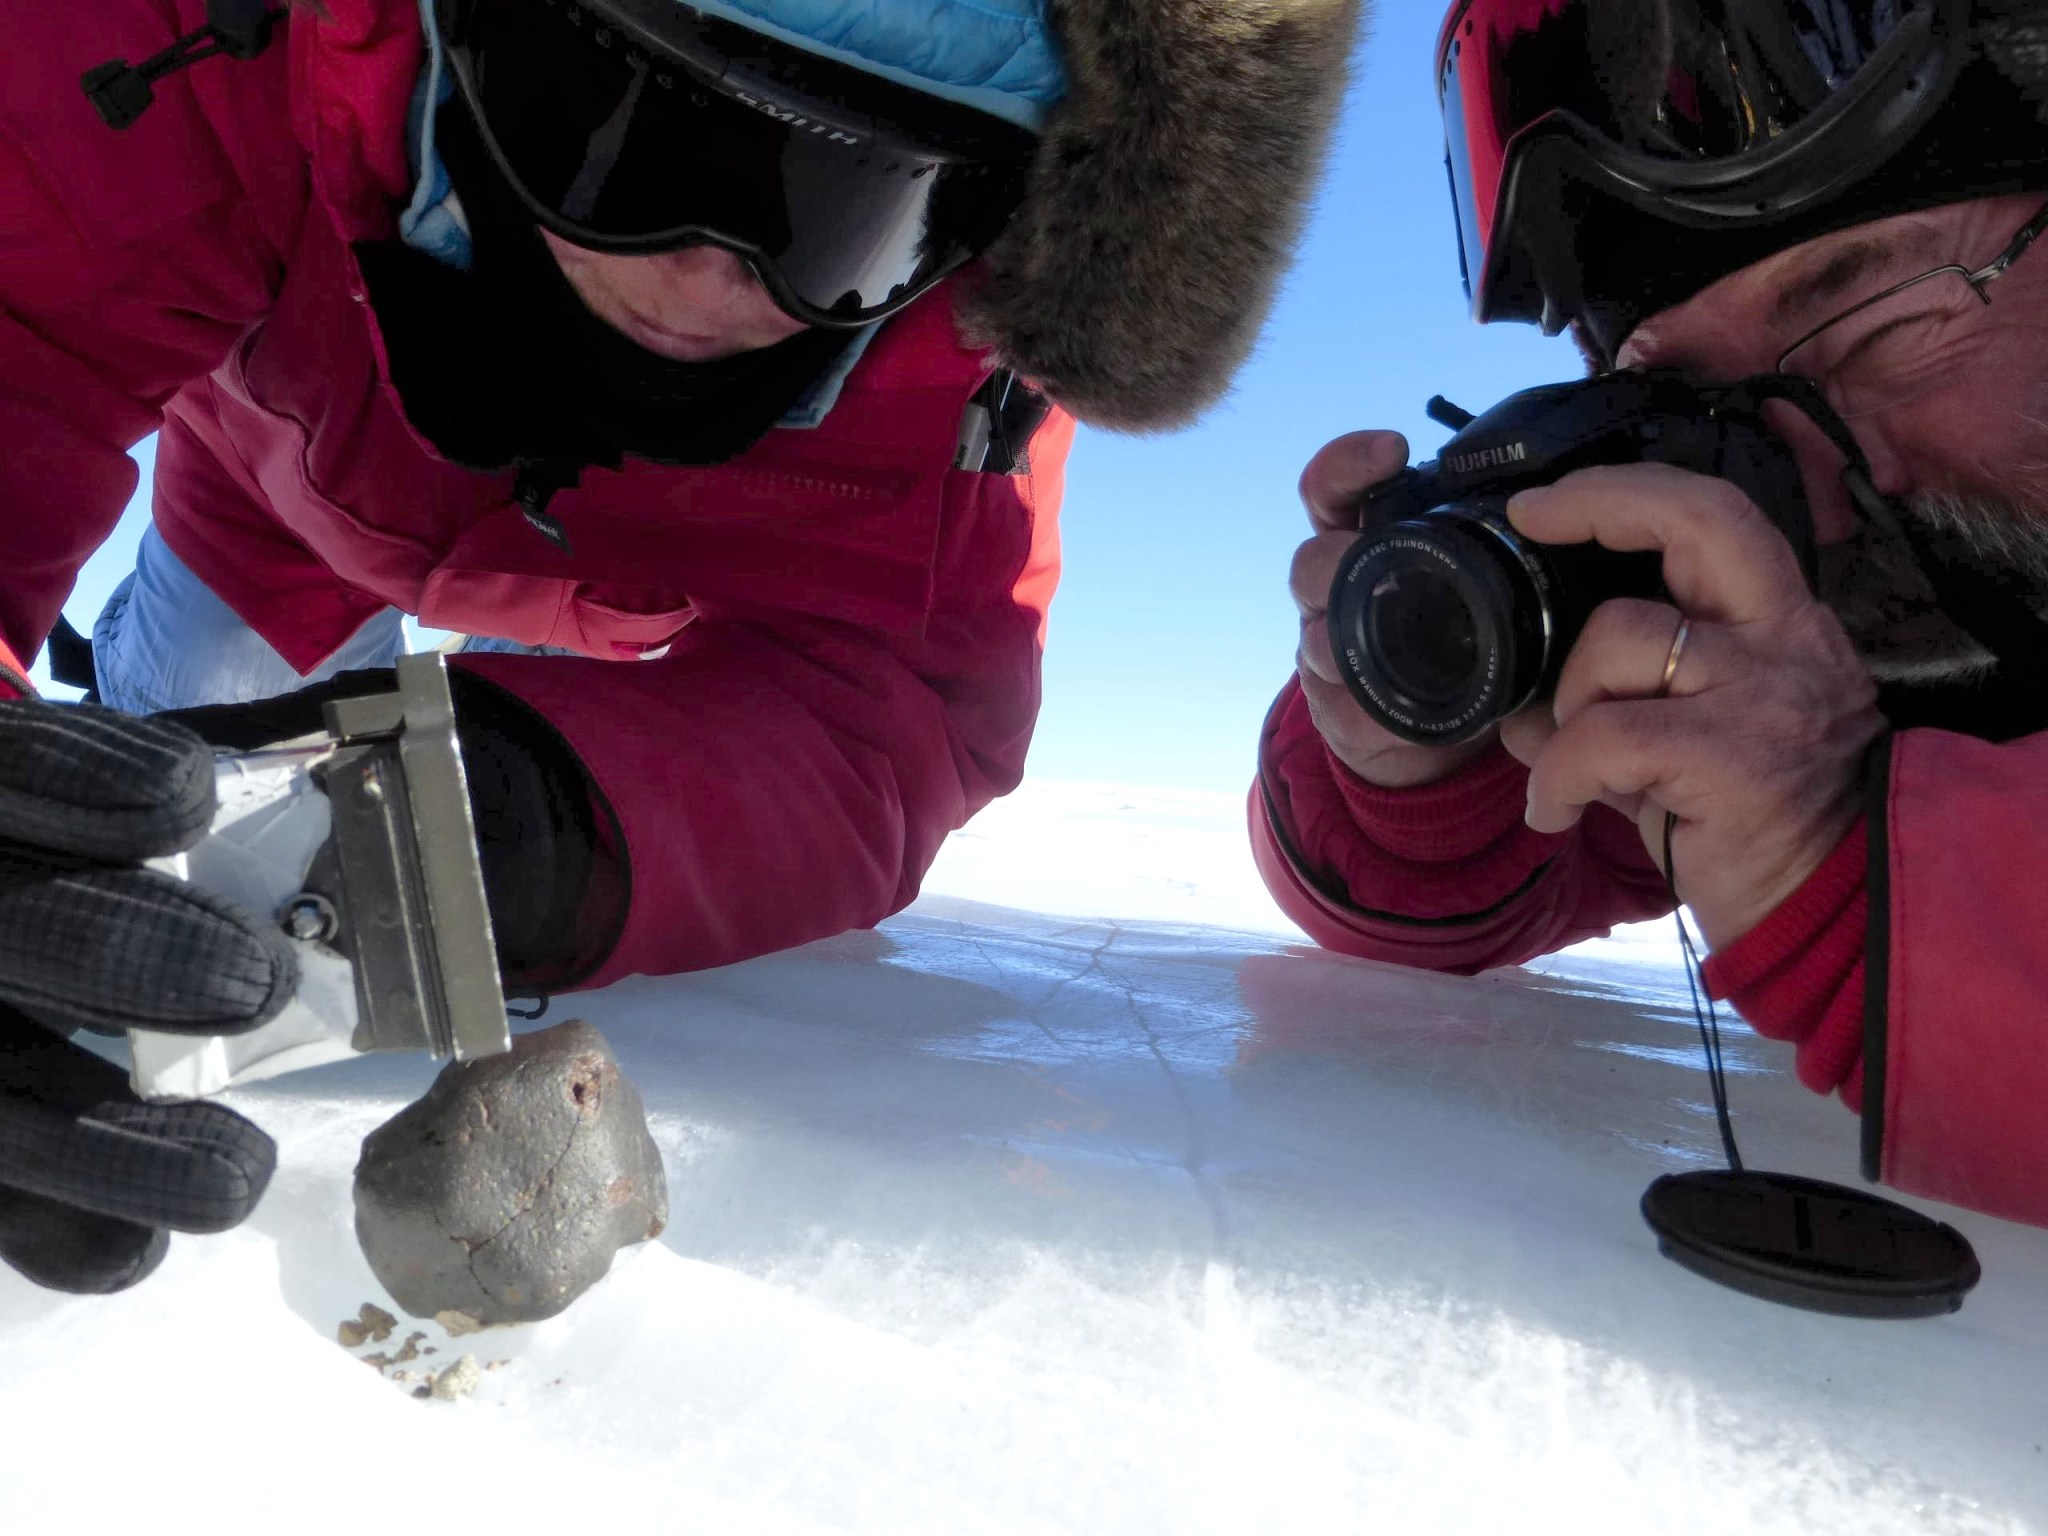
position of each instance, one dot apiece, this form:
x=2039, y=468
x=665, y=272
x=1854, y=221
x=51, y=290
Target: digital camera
x=1445, y=620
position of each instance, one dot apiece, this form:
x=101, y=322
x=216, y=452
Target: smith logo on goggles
x=637, y=126
x=797, y=120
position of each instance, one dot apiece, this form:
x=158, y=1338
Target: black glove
x=90, y=1177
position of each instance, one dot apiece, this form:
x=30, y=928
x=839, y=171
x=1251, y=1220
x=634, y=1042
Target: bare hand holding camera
x=1340, y=473
x=1753, y=740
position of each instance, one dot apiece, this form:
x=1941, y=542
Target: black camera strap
x=1796, y=1241
x=1990, y=607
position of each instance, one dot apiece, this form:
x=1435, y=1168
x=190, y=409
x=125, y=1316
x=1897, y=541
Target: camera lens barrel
x=1445, y=623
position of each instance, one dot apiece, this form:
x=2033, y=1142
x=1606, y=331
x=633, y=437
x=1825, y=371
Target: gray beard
x=1876, y=589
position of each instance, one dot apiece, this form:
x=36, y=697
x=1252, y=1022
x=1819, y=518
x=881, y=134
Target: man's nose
x=1647, y=346
x=1716, y=358
x=1820, y=462
x=703, y=273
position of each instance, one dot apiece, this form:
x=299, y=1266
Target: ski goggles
x=636, y=126
x=1568, y=121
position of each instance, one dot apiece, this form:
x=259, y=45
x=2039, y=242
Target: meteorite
x=505, y=1191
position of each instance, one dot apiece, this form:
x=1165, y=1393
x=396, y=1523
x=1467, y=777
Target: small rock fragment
x=496, y=1365
x=422, y=1393
x=379, y=1361
x=410, y=1350
x=458, y=1380
x=372, y=1325
x=503, y=1194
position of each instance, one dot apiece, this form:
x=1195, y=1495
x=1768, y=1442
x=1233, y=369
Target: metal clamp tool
x=360, y=841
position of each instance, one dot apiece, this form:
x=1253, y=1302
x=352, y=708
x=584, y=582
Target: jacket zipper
x=121, y=92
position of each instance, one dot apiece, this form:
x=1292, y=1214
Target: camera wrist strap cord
x=1796, y=1241
x=1704, y=1013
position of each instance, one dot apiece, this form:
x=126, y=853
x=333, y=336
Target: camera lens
x=1440, y=622
x=1423, y=633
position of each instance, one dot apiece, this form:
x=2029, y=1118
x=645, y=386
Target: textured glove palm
x=90, y=1177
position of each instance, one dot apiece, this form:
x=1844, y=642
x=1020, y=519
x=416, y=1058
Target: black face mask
x=503, y=365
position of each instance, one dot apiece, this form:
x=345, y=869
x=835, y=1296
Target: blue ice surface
x=988, y=1221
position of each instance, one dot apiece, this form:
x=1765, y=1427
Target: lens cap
x=1805, y=1243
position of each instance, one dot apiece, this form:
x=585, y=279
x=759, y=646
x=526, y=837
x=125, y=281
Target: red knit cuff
x=1442, y=823
x=1792, y=928
x=1798, y=975
x=13, y=676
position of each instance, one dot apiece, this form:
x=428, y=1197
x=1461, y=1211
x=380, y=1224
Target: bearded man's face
x=1946, y=394
x=1875, y=587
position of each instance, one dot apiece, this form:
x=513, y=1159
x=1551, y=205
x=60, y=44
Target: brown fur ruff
x=1165, y=200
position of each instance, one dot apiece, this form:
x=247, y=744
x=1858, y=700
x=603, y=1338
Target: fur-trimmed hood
x=1181, y=142
x=1170, y=187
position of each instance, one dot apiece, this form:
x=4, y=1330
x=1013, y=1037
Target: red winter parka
x=1910, y=970
x=806, y=667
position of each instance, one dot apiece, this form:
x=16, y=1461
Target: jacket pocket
x=584, y=617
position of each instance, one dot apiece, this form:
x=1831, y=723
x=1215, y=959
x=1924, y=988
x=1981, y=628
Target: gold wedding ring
x=1677, y=653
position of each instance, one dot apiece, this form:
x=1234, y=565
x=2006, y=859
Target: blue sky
x=1172, y=629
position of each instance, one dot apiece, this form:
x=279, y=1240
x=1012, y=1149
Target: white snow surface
x=1082, y=1197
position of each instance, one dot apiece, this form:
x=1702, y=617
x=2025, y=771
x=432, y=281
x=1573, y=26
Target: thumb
x=65, y=1249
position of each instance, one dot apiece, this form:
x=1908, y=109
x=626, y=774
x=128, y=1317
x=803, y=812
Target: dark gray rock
x=504, y=1192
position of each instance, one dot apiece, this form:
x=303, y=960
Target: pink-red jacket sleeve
x=1446, y=877
x=1955, y=1074
x=1909, y=973
x=129, y=264
x=778, y=779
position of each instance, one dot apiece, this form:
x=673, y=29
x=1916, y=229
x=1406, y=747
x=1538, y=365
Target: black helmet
x=1609, y=158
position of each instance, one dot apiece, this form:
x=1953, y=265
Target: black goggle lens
x=1636, y=85
x=627, y=149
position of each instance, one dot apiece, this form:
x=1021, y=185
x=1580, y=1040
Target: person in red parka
x=712, y=366
x=1856, y=771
